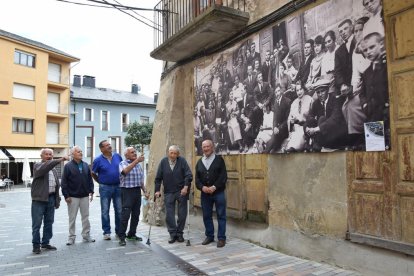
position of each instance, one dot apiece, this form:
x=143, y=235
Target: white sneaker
x=70, y=242
x=107, y=237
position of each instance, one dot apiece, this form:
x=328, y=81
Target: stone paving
x=238, y=257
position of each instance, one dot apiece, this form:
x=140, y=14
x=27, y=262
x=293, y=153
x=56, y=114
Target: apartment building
x=34, y=101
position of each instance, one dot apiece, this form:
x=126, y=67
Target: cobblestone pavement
x=238, y=257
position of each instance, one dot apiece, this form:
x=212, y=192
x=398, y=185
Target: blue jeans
x=43, y=211
x=207, y=202
x=108, y=193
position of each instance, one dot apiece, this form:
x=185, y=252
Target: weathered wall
x=307, y=193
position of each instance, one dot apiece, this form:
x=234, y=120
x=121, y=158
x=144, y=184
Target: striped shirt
x=135, y=178
x=52, y=182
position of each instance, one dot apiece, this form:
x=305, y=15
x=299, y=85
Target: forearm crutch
x=188, y=220
x=152, y=220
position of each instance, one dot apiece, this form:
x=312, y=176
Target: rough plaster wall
x=258, y=9
x=307, y=193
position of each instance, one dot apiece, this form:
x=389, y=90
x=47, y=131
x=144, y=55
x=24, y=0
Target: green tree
x=139, y=135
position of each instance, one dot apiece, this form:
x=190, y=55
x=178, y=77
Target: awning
x=3, y=157
x=20, y=154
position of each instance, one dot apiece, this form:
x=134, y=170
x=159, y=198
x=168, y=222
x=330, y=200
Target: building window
x=88, y=114
x=88, y=146
x=54, y=72
x=25, y=92
x=52, y=133
x=53, y=102
x=114, y=143
x=144, y=119
x=124, y=122
x=22, y=125
x=24, y=58
x=104, y=120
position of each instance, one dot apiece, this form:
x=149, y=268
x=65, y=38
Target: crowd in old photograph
x=252, y=101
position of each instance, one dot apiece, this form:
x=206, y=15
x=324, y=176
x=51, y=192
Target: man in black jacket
x=77, y=188
x=211, y=178
x=45, y=199
x=175, y=175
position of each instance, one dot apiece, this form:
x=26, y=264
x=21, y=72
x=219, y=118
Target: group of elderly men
x=121, y=181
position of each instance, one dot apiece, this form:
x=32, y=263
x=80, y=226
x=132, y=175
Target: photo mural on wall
x=314, y=82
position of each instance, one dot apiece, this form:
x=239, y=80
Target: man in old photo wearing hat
x=326, y=125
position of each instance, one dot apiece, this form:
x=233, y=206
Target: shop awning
x=3, y=158
x=20, y=154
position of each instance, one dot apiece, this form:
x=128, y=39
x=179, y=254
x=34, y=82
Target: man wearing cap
x=325, y=125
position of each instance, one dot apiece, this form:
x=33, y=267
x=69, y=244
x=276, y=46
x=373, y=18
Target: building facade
x=349, y=208
x=34, y=101
x=98, y=114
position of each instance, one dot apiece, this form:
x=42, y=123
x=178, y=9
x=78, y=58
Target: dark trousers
x=207, y=203
x=175, y=228
x=131, y=207
x=43, y=211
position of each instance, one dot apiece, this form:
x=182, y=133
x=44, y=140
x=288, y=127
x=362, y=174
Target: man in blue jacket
x=77, y=188
x=175, y=175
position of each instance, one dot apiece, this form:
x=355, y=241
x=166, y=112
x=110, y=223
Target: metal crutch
x=152, y=219
x=188, y=221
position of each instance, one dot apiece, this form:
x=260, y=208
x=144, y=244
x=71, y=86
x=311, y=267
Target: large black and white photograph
x=307, y=83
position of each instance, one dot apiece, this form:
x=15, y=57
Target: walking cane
x=188, y=221
x=152, y=219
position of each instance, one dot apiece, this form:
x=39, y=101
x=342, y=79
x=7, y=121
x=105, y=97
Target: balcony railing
x=61, y=109
x=57, y=139
x=125, y=127
x=173, y=15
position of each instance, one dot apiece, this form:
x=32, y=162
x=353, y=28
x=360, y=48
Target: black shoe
x=36, y=250
x=207, y=241
x=48, y=247
x=221, y=243
x=180, y=239
x=122, y=242
x=134, y=238
x=172, y=239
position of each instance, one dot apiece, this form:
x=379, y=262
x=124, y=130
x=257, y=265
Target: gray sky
x=111, y=45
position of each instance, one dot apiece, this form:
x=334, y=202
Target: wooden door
x=381, y=185
x=246, y=189
x=295, y=37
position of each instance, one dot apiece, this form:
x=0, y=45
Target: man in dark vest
x=211, y=178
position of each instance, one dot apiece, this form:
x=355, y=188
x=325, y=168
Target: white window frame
x=23, y=91
x=27, y=55
x=84, y=114
x=108, y=120
x=127, y=121
x=144, y=117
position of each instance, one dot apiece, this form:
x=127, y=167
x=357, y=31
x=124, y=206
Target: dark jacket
x=173, y=180
x=76, y=183
x=40, y=185
x=216, y=175
x=343, y=64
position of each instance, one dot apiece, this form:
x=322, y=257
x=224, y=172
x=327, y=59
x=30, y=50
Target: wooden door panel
x=403, y=83
x=407, y=219
x=369, y=214
x=406, y=157
x=404, y=45
x=368, y=165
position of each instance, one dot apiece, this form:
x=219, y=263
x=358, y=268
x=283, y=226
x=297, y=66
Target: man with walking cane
x=175, y=174
x=211, y=178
